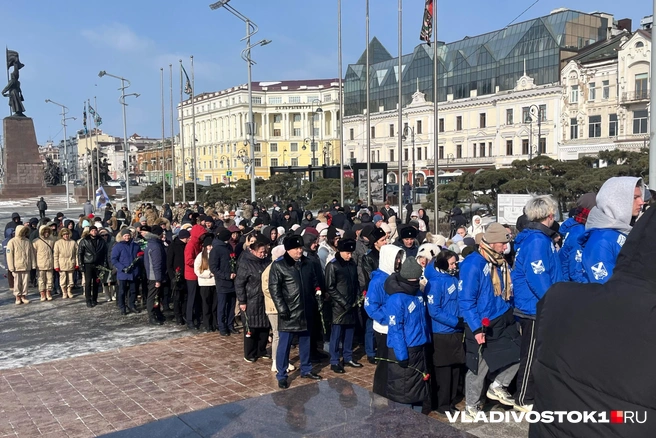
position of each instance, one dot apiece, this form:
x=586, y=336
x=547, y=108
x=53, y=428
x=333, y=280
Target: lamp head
x=218, y=4
x=265, y=42
x=102, y=73
x=137, y=94
x=319, y=110
x=47, y=100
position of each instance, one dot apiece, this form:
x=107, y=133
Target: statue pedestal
x=23, y=176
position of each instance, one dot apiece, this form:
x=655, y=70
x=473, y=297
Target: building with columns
x=289, y=116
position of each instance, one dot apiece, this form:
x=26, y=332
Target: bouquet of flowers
x=178, y=274
x=233, y=263
x=485, y=323
x=105, y=273
x=131, y=266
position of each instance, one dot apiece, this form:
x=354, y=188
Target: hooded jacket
x=374, y=301
x=607, y=227
x=44, y=250
x=308, y=220
x=192, y=249
x=537, y=267
x=155, y=258
x=65, y=254
x=587, y=332
x=19, y=252
x=175, y=259
x=220, y=266
x=571, y=253
x=205, y=276
x=123, y=253
x=474, y=229
x=248, y=286
x=343, y=289
x=442, y=302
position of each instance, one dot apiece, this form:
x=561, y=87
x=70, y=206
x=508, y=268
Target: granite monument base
x=330, y=408
x=23, y=177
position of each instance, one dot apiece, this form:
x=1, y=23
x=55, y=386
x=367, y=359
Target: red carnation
x=140, y=254
x=485, y=322
x=426, y=377
x=233, y=255
x=364, y=293
x=177, y=269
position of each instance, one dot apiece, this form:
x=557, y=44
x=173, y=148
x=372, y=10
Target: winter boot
x=43, y=295
x=18, y=301
x=70, y=292
x=24, y=299
x=48, y=295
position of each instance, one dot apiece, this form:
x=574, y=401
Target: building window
x=574, y=94
x=509, y=147
x=418, y=126
x=297, y=132
x=257, y=100
x=605, y=90
x=276, y=132
x=294, y=161
x=352, y=155
x=525, y=146
x=458, y=151
x=277, y=118
x=405, y=154
x=526, y=114
x=315, y=132
x=594, y=127
x=351, y=134
x=419, y=153
x=592, y=92
x=612, y=125
x=640, y=122
x=458, y=123
x=373, y=132
x=441, y=152
x=441, y=125
x=257, y=162
x=273, y=147
x=296, y=117
x=481, y=120
x=474, y=150
x=293, y=147
x=391, y=130
x=272, y=100
x=294, y=99
x=482, y=149
x=573, y=129
x=257, y=147
x=543, y=113
x=489, y=149
x=391, y=155
x=542, y=145
x=274, y=162
x=641, y=86
x=509, y=116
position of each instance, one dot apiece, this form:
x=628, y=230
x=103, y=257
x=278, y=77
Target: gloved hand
x=404, y=363
x=461, y=324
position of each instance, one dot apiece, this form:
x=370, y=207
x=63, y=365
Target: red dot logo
x=617, y=417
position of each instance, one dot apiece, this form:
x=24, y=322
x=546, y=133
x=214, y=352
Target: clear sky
x=65, y=43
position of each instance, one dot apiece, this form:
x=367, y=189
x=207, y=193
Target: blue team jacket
x=442, y=302
x=601, y=246
x=571, y=252
x=476, y=298
x=376, y=297
x=537, y=267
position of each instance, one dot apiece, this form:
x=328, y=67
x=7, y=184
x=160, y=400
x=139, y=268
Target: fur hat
x=184, y=234
x=428, y=250
x=376, y=234
x=224, y=235
x=157, y=230
x=293, y=242
x=346, y=245
x=408, y=232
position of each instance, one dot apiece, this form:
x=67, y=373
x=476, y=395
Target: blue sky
x=65, y=43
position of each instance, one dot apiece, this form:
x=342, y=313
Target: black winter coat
x=94, y=253
x=220, y=266
x=175, y=259
x=343, y=289
x=292, y=286
x=248, y=285
x=369, y=265
x=595, y=345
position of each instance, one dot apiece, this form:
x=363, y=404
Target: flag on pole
x=427, y=26
x=101, y=198
x=95, y=116
x=187, y=87
x=84, y=119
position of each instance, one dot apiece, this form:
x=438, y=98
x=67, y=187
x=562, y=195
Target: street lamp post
x=449, y=158
x=533, y=109
x=284, y=152
x=251, y=29
x=227, y=159
x=412, y=141
x=126, y=156
x=326, y=150
x=63, y=122
x=313, y=145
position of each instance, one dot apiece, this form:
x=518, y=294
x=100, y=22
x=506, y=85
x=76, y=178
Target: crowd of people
x=438, y=316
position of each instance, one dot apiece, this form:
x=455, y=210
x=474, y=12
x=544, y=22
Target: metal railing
x=631, y=96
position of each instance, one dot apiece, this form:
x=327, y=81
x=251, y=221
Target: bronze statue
x=51, y=173
x=13, y=90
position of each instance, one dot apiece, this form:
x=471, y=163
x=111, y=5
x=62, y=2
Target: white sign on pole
x=510, y=207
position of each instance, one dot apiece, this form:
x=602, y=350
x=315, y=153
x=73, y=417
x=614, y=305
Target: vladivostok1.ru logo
x=614, y=417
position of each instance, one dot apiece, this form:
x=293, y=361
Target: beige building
x=606, y=97
x=288, y=115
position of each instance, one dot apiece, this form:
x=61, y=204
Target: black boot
x=89, y=304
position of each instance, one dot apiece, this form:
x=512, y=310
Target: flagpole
x=161, y=86
x=341, y=104
x=193, y=128
x=436, y=154
x=94, y=172
x=90, y=184
x=368, y=118
x=400, y=115
x=95, y=107
x=172, y=137
x=184, y=176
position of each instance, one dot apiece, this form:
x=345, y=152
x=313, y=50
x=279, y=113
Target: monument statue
x=13, y=90
x=51, y=173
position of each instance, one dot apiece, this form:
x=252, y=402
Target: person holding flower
x=206, y=283
x=407, y=337
x=222, y=265
x=123, y=255
x=485, y=291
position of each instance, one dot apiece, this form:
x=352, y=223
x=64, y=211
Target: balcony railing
x=470, y=160
x=634, y=96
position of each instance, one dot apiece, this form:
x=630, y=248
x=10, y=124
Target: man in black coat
x=310, y=247
x=292, y=284
x=224, y=275
x=595, y=349
x=343, y=288
x=175, y=267
x=91, y=252
x=377, y=238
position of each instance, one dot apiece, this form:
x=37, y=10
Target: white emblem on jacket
x=460, y=285
x=412, y=307
x=451, y=289
x=538, y=267
x=621, y=239
x=366, y=301
x=579, y=255
x=599, y=271
x=431, y=300
x=486, y=269
x=392, y=320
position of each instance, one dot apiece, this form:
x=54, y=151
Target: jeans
x=344, y=333
x=285, y=346
x=474, y=382
x=225, y=311
x=123, y=287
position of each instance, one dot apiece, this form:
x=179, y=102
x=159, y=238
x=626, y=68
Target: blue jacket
x=123, y=254
x=407, y=321
x=571, y=252
x=155, y=259
x=601, y=246
x=430, y=273
x=537, y=267
x=376, y=297
x=442, y=296
x=476, y=294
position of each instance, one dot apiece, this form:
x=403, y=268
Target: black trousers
x=42, y=214
x=255, y=345
x=153, y=292
x=193, y=304
x=179, y=297
x=225, y=311
x=90, y=283
x=380, y=375
x=446, y=383
x=208, y=300
x=524, y=394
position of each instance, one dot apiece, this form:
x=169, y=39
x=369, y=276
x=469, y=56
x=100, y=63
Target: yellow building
x=289, y=116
